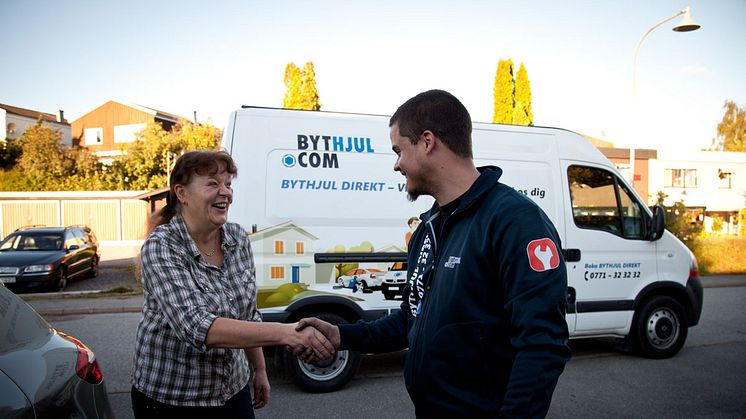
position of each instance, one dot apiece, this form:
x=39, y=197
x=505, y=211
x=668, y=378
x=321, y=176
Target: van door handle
x=571, y=255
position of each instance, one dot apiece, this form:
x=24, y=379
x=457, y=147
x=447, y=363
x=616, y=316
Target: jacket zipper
x=421, y=306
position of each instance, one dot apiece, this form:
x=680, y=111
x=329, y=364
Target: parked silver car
x=44, y=372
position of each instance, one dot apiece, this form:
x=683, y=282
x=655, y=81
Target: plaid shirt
x=183, y=296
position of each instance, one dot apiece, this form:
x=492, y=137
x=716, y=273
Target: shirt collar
x=181, y=229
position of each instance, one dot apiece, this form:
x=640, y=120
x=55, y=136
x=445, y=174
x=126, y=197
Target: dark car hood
x=29, y=257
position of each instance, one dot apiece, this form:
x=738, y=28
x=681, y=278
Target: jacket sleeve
x=386, y=334
x=535, y=289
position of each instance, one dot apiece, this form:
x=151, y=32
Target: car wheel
x=94, y=268
x=660, y=329
x=325, y=376
x=60, y=282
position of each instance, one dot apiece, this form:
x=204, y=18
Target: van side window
x=601, y=202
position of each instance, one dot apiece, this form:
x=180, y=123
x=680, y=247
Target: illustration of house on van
x=284, y=253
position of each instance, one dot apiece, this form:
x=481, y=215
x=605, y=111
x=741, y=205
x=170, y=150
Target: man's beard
x=423, y=188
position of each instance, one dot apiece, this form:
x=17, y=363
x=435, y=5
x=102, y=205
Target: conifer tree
x=309, y=96
x=504, y=93
x=522, y=114
x=293, y=82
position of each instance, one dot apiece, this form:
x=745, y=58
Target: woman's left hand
x=261, y=388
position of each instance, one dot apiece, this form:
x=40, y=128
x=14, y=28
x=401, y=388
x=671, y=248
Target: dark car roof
x=40, y=230
x=49, y=229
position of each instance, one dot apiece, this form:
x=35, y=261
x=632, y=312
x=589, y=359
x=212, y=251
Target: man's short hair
x=439, y=112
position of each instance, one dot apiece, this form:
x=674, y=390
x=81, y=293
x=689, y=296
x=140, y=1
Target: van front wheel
x=660, y=331
x=324, y=376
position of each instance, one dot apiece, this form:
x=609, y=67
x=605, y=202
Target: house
x=284, y=253
x=106, y=128
x=619, y=157
x=712, y=184
x=16, y=121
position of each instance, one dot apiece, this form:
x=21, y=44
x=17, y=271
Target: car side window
x=601, y=202
x=70, y=240
x=80, y=236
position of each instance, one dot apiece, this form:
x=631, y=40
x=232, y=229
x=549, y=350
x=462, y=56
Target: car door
x=88, y=252
x=74, y=257
x=607, y=227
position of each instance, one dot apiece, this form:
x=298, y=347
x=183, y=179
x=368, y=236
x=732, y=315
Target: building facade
x=710, y=183
x=105, y=129
x=16, y=121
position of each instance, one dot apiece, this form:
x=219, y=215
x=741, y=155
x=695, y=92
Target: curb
x=80, y=311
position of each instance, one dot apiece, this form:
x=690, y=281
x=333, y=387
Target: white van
x=321, y=183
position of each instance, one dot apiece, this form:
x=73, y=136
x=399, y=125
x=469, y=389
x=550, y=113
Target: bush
x=719, y=255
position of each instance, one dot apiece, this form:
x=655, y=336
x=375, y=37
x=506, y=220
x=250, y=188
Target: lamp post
x=687, y=24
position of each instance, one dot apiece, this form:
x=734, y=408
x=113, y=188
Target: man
x=483, y=310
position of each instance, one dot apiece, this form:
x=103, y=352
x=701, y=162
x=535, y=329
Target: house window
x=279, y=247
x=93, y=136
x=277, y=272
x=680, y=178
x=126, y=133
x=300, y=248
x=724, y=179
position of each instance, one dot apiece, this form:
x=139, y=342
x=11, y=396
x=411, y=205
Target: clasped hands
x=318, y=340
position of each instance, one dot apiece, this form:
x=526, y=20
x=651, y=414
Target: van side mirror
x=73, y=247
x=657, y=223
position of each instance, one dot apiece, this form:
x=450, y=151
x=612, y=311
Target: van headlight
x=38, y=268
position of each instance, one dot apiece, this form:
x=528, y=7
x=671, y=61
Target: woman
x=200, y=328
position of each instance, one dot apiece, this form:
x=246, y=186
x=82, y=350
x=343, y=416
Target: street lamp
x=687, y=24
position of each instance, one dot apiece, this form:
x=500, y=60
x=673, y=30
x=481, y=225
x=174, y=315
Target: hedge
x=719, y=255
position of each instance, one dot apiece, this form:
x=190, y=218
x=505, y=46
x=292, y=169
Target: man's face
x=409, y=163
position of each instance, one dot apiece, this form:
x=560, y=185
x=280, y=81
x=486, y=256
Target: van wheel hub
x=663, y=328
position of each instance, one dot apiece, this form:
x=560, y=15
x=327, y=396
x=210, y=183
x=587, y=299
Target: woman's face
x=206, y=198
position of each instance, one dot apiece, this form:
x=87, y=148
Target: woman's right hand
x=309, y=341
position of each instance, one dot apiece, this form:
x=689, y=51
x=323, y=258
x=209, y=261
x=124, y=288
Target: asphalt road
x=706, y=379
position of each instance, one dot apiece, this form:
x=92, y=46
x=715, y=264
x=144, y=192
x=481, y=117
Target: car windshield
x=31, y=242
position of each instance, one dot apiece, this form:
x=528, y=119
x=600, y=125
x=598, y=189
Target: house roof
x=166, y=116
x=28, y=113
x=287, y=225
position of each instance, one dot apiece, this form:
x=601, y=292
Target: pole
x=634, y=93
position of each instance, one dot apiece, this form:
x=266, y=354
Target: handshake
x=316, y=340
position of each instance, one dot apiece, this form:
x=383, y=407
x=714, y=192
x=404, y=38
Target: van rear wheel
x=324, y=376
x=660, y=328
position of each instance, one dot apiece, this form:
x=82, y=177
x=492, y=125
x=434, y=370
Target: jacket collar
x=488, y=178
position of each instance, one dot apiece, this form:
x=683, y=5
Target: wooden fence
x=112, y=215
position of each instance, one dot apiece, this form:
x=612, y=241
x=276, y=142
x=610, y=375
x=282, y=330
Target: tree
x=42, y=154
x=293, y=83
x=504, y=89
x=679, y=220
x=309, y=96
x=731, y=131
x=10, y=151
x=522, y=114
x=145, y=162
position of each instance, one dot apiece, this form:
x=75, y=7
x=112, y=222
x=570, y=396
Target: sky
x=371, y=56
